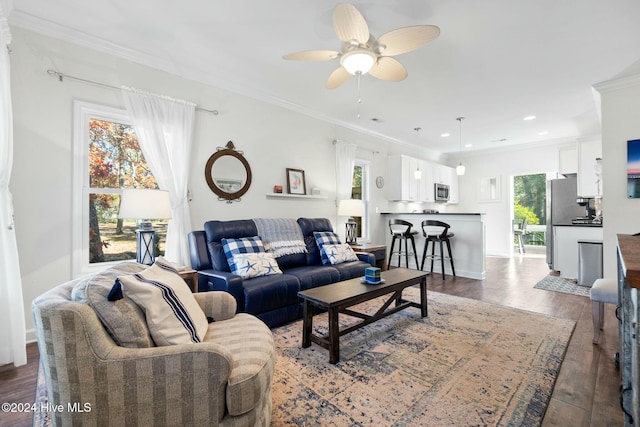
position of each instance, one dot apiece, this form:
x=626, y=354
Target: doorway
x=529, y=214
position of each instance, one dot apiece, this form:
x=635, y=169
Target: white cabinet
x=403, y=186
x=565, y=247
x=568, y=160
x=588, y=152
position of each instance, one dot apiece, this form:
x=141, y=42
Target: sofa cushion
x=122, y=319
x=337, y=254
x=243, y=245
x=173, y=314
x=250, y=343
x=254, y=265
x=266, y=293
x=325, y=238
x=350, y=270
x=215, y=231
x=308, y=226
x=313, y=276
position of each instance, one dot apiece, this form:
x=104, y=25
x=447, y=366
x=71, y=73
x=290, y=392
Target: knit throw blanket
x=281, y=236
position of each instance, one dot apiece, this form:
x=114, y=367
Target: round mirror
x=228, y=173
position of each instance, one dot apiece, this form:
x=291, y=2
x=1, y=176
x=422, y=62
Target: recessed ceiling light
x=446, y=134
x=468, y=145
x=543, y=133
x=529, y=118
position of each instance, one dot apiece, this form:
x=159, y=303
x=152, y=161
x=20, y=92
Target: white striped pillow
x=172, y=313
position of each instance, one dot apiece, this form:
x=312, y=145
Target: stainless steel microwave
x=441, y=192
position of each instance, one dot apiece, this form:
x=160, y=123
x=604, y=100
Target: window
x=360, y=191
x=107, y=158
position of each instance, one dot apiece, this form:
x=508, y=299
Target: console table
x=629, y=332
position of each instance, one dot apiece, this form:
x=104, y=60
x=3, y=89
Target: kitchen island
x=468, y=245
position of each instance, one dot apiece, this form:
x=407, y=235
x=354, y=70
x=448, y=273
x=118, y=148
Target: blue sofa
x=274, y=298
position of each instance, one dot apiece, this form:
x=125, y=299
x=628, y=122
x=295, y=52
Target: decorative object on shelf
x=418, y=173
x=315, y=191
x=231, y=177
x=351, y=208
x=379, y=181
x=277, y=189
x=145, y=204
x=295, y=182
x=460, y=169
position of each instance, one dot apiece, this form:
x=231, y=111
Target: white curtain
x=12, y=332
x=164, y=127
x=345, y=162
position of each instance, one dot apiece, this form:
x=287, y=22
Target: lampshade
x=142, y=203
x=417, y=174
x=460, y=169
x=359, y=60
x=351, y=207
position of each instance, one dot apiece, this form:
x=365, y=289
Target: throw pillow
x=325, y=238
x=172, y=313
x=255, y=265
x=243, y=245
x=123, y=319
x=339, y=253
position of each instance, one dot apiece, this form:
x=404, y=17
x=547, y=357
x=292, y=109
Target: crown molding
x=618, y=83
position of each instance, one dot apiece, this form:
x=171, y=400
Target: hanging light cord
x=359, y=101
x=460, y=119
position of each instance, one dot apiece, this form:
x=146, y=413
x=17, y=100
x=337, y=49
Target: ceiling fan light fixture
x=358, y=61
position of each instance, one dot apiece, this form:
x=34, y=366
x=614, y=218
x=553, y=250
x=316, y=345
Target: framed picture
x=633, y=169
x=295, y=182
x=489, y=189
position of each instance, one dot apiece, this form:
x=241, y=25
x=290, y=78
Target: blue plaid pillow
x=325, y=238
x=244, y=245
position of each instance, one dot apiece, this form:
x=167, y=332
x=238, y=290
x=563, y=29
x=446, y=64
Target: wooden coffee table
x=338, y=297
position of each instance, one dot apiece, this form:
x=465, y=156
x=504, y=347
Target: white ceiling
x=495, y=62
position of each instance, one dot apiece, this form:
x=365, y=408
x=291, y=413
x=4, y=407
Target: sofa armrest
x=215, y=280
x=217, y=305
x=367, y=257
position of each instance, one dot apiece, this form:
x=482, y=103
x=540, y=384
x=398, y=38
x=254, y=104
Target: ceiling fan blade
x=339, y=76
x=407, y=39
x=388, y=69
x=350, y=24
x=313, y=55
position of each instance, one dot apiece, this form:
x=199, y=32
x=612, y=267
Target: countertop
x=431, y=213
x=630, y=252
x=577, y=225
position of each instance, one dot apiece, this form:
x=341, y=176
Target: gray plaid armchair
x=225, y=380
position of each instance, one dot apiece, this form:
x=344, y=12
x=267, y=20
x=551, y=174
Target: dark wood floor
x=586, y=391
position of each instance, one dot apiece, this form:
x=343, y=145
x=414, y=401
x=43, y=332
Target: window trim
x=366, y=166
x=82, y=112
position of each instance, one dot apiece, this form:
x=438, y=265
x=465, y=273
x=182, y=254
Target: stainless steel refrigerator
x=561, y=208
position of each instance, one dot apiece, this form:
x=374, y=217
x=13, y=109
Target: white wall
x=272, y=139
x=503, y=165
x=620, y=122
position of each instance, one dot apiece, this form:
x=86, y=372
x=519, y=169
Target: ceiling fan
x=361, y=53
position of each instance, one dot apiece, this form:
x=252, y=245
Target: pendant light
x=460, y=169
x=418, y=173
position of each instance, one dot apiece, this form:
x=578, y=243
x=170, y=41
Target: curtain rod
x=335, y=141
x=61, y=77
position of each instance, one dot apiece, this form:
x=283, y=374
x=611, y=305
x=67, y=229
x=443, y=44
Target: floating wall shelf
x=293, y=196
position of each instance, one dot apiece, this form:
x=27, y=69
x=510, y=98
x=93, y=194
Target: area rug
x=561, y=284
x=469, y=363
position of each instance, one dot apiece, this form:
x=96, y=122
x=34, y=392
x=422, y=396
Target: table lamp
x=145, y=204
x=351, y=208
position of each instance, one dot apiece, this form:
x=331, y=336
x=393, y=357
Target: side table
x=380, y=252
x=190, y=276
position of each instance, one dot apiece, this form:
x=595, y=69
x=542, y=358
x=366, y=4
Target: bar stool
x=437, y=232
x=401, y=229
x=603, y=291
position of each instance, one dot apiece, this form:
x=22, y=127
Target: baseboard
x=31, y=336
